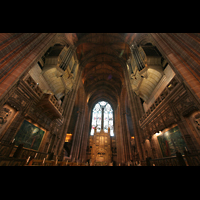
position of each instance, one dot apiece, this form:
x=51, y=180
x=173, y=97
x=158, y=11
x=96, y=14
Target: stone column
x=102, y=119
x=124, y=136
x=77, y=135
x=119, y=139
x=128, y=139
x=78, y=131
x=135, y=111
x=67, y=110
x=52, y=142
x=85, y=135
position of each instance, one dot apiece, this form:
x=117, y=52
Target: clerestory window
x=102, y=117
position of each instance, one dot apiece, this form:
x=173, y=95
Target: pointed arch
x=102, y=118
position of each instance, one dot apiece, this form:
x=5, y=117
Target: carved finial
x=95, y=129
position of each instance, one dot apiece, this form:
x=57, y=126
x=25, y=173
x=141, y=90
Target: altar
x=101, y=148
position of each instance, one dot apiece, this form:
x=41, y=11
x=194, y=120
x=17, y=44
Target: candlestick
x=186, y=149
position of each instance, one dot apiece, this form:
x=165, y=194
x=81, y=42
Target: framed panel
x=29, y=135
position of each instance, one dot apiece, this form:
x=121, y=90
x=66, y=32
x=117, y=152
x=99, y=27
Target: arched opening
x=102, y=118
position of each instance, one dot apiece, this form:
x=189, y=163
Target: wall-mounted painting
x=29, y=135
x=172, y=141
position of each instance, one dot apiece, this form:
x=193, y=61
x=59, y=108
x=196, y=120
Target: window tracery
x=102, y=111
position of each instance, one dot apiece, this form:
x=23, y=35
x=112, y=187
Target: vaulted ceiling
x=101, y=55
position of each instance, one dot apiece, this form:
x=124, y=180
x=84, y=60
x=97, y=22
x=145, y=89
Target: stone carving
x=23, y=103
x=15, y=99
x=15, y=96
x=196, y=120
x=4, y=114
x=186, y=106
x=179, y=107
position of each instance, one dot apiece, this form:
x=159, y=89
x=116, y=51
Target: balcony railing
x=51, y=106
x=33, y=85
x=168, y=90
x=8, y=150
x=178, y=160
x=56, y=104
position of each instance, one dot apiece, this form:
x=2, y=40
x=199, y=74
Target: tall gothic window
x=102, y=111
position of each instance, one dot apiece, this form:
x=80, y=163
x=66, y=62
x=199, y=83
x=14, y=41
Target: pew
x=6, y=161
x=44, y=162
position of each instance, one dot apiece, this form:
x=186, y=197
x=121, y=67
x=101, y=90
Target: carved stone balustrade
x=34, y=86
x=175, y=101
x=50, y=105
x=171, y=88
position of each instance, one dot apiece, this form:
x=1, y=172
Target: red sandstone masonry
x=13, y=74
x=179, y=63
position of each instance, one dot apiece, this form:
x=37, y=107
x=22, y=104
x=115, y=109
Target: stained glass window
x=107, y=116
x=96, y=118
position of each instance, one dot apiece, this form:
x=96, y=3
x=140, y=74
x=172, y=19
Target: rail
x=168, y=90
x=179, y=160
x=193, y=159
x=34, y=86
x=44, y=162
x=8, y=150
x=169, y=161
x=5, y=161
x=56, y=104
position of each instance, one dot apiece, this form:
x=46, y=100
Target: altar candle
x=185, y=148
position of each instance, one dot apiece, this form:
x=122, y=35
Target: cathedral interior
x=99, y=99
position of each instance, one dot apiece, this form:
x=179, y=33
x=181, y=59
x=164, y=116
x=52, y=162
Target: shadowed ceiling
x=101, y=55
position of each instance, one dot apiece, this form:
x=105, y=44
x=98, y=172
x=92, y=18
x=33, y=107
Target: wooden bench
x=50, y=163
x=44, y=162
x=75, y=164
x=6, y=161
x=61, y=163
